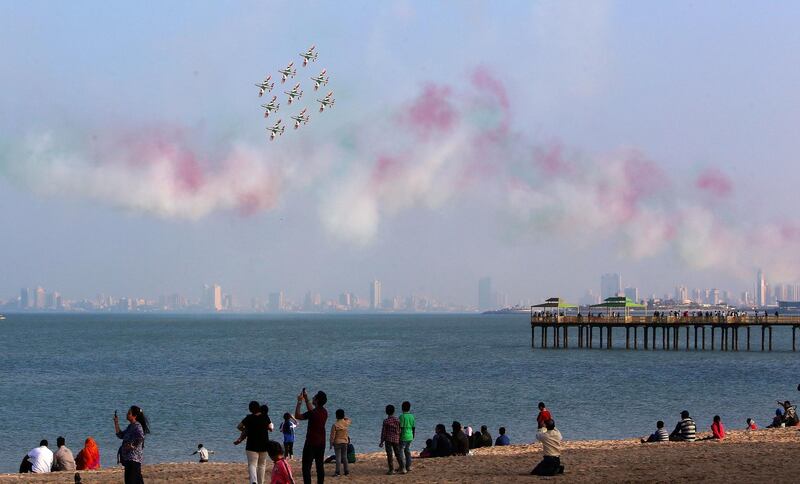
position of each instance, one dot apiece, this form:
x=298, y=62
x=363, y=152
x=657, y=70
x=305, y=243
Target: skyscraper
x=632, y=293
x=375, y=294
x=761, y=290
x=610, y=285
x=276, y=302
x=485, y=294
x=40, y=298
x=24, y=298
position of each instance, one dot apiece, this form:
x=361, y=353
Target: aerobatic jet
x=276, y=130
x=326, y=102
x=294, y=93
x=309, y=55
x=288, y=72
x=320, y=80
x=271, y=106
x=301, y=118
x=265, y=86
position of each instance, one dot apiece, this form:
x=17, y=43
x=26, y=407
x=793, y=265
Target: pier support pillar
x=770, y=338
x=627, y=338
x=675, y=337
x=566, y=337
x=695, y=338
x=636, y=337
x=763, y=331
x=609, y=343
x=704, y=338
x=687, y=338
x=712, y=337
x=748, y=338
x=646, y=334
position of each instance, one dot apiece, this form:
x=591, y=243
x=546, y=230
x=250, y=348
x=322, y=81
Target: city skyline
x=593, y=140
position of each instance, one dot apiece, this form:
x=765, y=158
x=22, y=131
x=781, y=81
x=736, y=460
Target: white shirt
x=203, y=453
x=41, y=459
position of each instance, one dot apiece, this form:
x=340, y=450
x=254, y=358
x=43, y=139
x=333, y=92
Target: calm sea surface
x=194, y=375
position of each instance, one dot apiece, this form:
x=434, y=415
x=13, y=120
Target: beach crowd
x=396, y=436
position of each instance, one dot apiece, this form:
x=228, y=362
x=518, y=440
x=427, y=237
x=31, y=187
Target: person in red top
x=314, y=448
x=717, y=429
x=281, y=470
x=544, y=416
x=751, y=424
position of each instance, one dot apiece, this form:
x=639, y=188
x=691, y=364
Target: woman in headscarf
x=89, y=457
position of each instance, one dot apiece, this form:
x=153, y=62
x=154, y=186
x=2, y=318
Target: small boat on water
x=2, y=317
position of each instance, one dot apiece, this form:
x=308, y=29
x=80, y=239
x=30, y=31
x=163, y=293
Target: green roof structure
x=555, y=302
x=617, y=302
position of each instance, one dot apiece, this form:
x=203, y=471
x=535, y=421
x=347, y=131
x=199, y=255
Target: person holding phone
x=132, y=450
x=314, y=448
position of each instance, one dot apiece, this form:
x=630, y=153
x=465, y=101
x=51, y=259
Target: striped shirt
x=688, y=429
x=661, y=435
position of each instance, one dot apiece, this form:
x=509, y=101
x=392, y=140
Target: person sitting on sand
x=485, y=437
x=550, y=438
x=544, y=416
x=502, y=439
x=63, y=459
x=281, y=470
x=39, y=460
x=442, y=442
x=751, y=424
x=660, y=435
x=474, y=438
x=789, y=414
x=685, y=430
x=777, y=420
x=459, y=440
x=203, y=452
x=89, y=457
x=427, y=452
x=717, y=428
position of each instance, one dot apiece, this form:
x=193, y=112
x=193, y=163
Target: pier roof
x=555, y=302
x=617, y=302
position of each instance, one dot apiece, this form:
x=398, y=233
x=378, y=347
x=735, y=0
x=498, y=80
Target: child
x=339, y=440
x=407, y=433
x=281, y=470
x=203, y=452
x=717, y=429
x=751, y=424
x=287, y=429
x=390, y=435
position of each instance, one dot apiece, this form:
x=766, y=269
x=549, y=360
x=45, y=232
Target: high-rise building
x=714, y=297
x=345, y=300
x=632, y=293
x=610, y=285
x=40, y=298
x=375, y=294
x=24, y=298
x=761, y=290
x=485, y=294
x=681, y=294
x=276, y=302
x=213, y=297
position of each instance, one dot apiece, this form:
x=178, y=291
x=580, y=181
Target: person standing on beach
x=255, y=428
x=407, y=432
x=63, y=459
x=281, y=470
x=550, y=438
x=544, y=416
x=132, y=450
x=390, y=435
x=340, y=438
x=287, y=429
x=314, y=448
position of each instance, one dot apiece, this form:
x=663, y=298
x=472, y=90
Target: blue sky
x=693, y=85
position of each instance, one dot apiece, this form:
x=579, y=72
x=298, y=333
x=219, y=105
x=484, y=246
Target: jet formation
x=294, y=94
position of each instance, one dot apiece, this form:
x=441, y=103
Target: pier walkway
x=725, y=333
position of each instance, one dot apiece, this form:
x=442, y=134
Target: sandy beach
x=764, y=455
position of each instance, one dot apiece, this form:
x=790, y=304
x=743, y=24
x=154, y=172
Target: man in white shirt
x=41, y=458
x=550, y=438
x=204, y=453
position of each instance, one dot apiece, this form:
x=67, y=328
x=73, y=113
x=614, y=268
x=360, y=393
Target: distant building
x=761, y=290
x=40, y=298
x=345, y=300
x=276, y=302
x=610, y=285
x=485, y=302
x=632, y=293
x=682, y=295
x=375, y=295
x=24, y=298
x=589, y=298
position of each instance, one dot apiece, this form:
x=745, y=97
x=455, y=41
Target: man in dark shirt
x=314, y=448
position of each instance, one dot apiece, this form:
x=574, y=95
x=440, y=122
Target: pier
x=715, y=332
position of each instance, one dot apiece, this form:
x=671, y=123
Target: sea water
x=66, y=374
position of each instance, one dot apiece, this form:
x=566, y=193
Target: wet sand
x=760, y=456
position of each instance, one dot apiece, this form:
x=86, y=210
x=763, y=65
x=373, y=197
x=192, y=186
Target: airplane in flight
x=288, y=72
x=326, y=102
x=320, y=80
x=309, y=55
x=301, y=118
x=271, y=106
x=294, y=93
x=265, y=86
x=276, y=130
